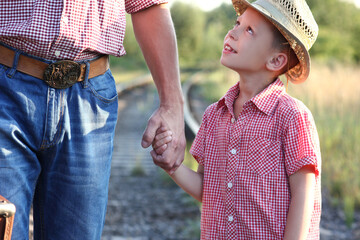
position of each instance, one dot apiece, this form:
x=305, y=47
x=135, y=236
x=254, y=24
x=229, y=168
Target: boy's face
x=248, y=46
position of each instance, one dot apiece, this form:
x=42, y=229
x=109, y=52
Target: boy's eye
x=249, y=30
x=237, y=23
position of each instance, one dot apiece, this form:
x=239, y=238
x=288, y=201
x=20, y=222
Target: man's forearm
x=155, y=34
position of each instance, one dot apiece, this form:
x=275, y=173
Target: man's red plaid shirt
x=247, y=163
x=67, y=29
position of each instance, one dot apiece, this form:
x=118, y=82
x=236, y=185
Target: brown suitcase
x=7, y=213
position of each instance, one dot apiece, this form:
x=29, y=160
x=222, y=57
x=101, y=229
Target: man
x=57, y=118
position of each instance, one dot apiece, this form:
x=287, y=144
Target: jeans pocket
x=263, y=156
x=3, y=68
x=103, y=87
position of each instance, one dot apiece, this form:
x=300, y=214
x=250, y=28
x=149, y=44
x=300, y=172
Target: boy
x=257, y=147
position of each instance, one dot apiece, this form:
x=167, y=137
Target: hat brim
x=300, y=72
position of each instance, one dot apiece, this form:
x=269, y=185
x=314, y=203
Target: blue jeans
x=55, y=152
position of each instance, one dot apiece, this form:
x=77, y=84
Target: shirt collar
x=265, y=101
x=229, y=98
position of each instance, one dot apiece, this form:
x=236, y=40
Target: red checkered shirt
x=67, y=29
x=247, y=163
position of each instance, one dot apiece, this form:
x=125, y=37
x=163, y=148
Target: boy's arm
x=302, y=203
x=190, y=181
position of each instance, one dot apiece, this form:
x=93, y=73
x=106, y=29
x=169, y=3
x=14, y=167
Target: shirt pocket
x=263, y=156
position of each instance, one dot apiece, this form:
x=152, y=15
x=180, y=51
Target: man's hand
x=167, y=118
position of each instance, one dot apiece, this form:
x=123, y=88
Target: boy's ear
x=277, y=62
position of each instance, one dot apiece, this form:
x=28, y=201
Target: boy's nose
x=233, y=34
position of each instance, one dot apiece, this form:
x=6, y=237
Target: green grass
x=138, y=170
x=339, y=133
x=333, y=96
x=189, y=161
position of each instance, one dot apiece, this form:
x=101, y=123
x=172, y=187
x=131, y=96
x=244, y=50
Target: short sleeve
x=301, y=145
x=133, y=6
x=198, y=146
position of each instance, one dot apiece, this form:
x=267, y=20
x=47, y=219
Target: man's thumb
x=149, y=135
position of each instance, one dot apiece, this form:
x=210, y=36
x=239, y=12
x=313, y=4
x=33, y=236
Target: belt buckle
x=62, y=74
x=7, y=209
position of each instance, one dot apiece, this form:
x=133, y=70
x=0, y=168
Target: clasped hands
x=165, y=133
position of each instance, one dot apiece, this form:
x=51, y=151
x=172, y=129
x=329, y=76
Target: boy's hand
x=162, y=138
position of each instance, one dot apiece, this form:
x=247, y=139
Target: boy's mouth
x=228, y=48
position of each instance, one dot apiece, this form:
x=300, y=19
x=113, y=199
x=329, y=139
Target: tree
x=218, y=22
x=189, y=24
x=339, y=30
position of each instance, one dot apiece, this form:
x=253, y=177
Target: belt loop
x=86, y=78
x=15, y=63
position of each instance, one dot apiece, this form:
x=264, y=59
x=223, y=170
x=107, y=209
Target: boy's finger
x=163, y=135
x=161, y=149
x=161, y=130
x=159, y=143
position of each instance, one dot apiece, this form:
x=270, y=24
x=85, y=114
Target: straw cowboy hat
x=295, y=21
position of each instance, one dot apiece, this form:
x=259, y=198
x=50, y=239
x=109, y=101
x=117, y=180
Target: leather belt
x=61, y=74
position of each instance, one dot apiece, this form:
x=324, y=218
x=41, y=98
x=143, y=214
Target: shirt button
x=233, y=151
x=230, y=185
x=57, y=53
x=230, y=218
x=232, y=120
